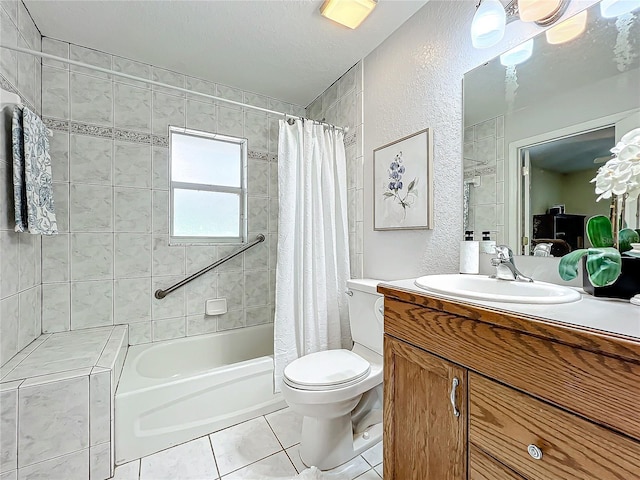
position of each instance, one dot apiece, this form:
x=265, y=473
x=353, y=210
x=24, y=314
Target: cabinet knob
x=535, y=452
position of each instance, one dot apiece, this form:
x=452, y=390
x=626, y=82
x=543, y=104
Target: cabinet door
x=424, y=439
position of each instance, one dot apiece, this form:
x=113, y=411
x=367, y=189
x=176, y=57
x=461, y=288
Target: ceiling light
x=567, y=30
x=536, y=10
x=517, y=55
x=487, y=27
x=615, y=8
x=349, y=13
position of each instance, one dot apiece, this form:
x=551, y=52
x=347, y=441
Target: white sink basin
x=490, y=289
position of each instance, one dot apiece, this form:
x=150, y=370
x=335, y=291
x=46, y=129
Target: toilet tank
x=366, y=313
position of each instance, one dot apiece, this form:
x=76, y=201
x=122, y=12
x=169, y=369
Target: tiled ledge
x=57, y=404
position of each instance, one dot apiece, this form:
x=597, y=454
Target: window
x=208, y=187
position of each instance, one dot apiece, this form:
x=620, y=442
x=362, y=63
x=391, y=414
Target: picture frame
x=403, y=183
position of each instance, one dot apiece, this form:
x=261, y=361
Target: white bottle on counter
x=469, y=255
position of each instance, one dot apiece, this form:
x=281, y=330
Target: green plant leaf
x=625, y=238
x=568, y=267
x=603, y=265
x=388, y=194
x=599, y=231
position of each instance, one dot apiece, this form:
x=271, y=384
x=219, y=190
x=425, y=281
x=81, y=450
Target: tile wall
x=484, y=153
x=110, y=159
x=341, y=105
x=20, y=272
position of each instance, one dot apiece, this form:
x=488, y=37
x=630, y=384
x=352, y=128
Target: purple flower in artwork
x=395, y=186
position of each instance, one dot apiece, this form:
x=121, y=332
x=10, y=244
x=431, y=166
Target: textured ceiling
x=284, y=49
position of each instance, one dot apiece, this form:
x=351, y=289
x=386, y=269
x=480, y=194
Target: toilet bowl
x=339, y=392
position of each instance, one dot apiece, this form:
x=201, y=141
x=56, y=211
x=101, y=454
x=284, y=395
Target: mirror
x=536, y=132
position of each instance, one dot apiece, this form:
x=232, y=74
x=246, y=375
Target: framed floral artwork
x=403, y=183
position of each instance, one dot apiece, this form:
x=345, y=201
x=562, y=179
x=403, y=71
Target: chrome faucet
x=505, y=268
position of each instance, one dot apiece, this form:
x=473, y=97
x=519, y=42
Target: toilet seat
x=326, y=370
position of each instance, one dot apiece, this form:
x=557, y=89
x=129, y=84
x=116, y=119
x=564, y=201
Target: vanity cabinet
x=537, y=400
x=425, y=414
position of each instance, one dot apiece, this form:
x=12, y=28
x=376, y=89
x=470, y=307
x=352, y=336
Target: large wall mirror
x=537, y=130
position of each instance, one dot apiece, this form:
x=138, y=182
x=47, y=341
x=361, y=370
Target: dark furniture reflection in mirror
x=564, y=231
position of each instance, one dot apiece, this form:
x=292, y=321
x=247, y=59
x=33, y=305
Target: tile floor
x=263, y=447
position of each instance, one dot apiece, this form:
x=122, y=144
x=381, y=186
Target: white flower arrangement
x=620, y=176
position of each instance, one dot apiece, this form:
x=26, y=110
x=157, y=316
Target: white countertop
x=608, y=315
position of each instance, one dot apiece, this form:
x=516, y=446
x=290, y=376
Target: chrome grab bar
x=160, y=294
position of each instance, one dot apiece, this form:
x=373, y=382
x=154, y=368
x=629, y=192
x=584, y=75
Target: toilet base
x=329, y=442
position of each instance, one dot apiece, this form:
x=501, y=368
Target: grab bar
x=160, y=294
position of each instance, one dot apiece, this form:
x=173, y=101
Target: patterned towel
x=32, y=185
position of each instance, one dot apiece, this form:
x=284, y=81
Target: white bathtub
x=174, y=391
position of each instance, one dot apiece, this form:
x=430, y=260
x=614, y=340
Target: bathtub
x=175, y=391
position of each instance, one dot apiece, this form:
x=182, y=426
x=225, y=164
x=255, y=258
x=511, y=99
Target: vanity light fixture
x=615, y=8
x=567, y=30
x=541, y=10
x=488, y=24
x=517, y=55
x=350, y=13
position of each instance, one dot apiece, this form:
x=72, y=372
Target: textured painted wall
x=413, y=80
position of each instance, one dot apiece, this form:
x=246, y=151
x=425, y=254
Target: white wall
x=413, y=80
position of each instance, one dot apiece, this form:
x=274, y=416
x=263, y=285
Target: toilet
x=339, y=392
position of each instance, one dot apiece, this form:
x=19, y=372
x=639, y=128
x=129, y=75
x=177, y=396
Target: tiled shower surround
x=110, y=170
x=484, y=153
x=341, y=104
x=20, y=272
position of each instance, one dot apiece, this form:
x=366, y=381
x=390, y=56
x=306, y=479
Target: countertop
x=607, y=315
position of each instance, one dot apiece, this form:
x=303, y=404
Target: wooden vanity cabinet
x=536, y=400
x=425, y=412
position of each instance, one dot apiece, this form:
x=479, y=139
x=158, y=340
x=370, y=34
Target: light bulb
x=534, y=10
x=615, y=8
x=567, y=30
x=487, y=27
x=517, y=55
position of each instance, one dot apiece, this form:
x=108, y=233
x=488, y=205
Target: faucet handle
x=504, y=252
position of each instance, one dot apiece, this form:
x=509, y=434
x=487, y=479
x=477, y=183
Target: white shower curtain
x=313, y=244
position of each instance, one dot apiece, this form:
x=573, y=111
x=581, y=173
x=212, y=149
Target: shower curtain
x=313, y=245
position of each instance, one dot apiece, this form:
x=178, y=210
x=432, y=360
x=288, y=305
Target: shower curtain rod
x=160, y=84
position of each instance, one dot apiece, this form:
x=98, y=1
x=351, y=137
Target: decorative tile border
x=350, y=140
x=486, y=170
x=131, y=136
x=6, y=85
x=55, y=124
x=158, y=141
x=93, y=130
x=268, y=157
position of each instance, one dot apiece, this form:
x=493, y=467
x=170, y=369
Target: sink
x=481, y=287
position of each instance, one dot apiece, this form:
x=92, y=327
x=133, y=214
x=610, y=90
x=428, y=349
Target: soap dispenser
x=487, y=245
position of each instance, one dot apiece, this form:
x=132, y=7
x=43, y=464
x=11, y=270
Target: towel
x=32, y=183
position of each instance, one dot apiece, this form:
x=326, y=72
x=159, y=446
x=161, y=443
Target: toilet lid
x=331, y=368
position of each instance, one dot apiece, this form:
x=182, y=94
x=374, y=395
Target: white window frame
x=241, y=191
